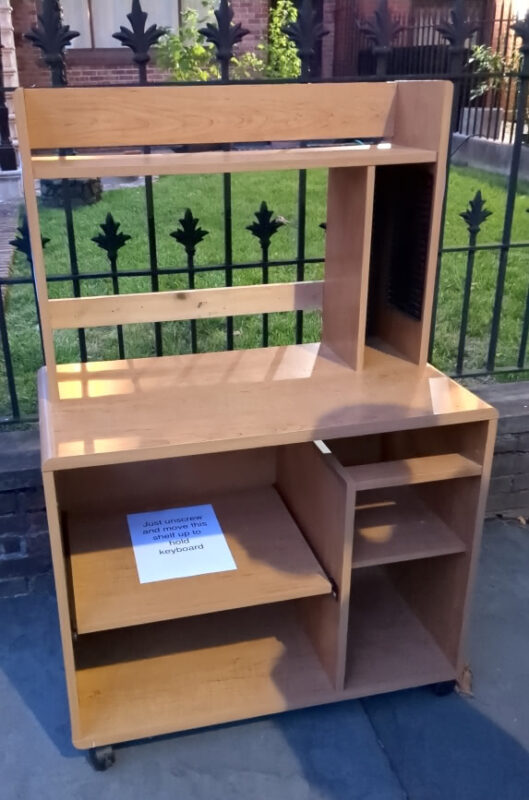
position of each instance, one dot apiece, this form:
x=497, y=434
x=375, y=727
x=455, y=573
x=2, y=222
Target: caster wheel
x=101, y=758
x=442, y=689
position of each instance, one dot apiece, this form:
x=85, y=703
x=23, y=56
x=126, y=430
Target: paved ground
x=405, y=745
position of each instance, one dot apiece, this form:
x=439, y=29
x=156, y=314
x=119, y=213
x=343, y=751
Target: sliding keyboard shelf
x=273, y=561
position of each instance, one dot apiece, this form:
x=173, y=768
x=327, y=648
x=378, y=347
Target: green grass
x=203, y=194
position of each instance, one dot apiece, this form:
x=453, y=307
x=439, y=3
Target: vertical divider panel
x=422, y=119
x=320, y=497
x=37, y=250
x=439, y=592
x=63, y=602
x=345, y=292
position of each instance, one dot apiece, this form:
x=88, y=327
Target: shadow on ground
x=410, y=745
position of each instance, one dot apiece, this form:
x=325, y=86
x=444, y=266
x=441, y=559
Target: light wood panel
x=209, y=162
x=433, y=100
x=63, y=601
x=92, y=312
x=138, y=486
x=408, y=471
x=272, y=558
x=348, y=244
x=115, y=412
x=37, y=251
x=439, y=592
x=195, y=672
x=389, y=649
x=392, y=526
x=321, y=499
x=163, y=115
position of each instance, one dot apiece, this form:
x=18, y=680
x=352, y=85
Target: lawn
x=203, y=194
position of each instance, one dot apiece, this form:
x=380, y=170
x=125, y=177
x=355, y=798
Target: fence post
x=189, y=235
x=306, y=32
x=521, y=29
x=474, y=216
x=224, y=36
x=140, y=40
x=264, y=227
x=52, y=37
x=381, y=29
x=456, y=30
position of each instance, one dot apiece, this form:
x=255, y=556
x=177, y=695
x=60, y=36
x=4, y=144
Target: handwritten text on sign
x=178, y=543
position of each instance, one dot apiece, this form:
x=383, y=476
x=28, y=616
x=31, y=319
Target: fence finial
x=521, y=29
x=224, y=35
x=458, y=28
x=51, y=36
x=189, y=234
x=22, y=241
x=382, y=28
x=111, y=240
x=138, y=38
x=306, y=32
x=265, y=226
x=476, y=213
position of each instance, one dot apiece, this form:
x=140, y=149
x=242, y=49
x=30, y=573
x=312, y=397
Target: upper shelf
x=408, y=471
x=218, y=161
x=141, y=409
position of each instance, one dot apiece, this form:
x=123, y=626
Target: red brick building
x=96, y=58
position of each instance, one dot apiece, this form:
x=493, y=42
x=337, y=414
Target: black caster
x=101, y=758
x=443, y=689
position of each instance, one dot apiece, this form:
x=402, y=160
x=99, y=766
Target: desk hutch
x=349, y=476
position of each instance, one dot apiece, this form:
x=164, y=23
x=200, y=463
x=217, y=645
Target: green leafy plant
x=283, y=60
x=188, y=56
x=487, y=60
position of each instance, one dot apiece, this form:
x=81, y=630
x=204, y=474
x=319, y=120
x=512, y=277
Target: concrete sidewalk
x=405, y=745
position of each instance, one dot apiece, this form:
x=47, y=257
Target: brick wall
x=24, y=541
x=114, y=66
x=509, y=489
x=24, y=545
x=253, y=15
x=111, y=66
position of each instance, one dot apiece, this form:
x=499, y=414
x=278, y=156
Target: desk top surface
x=143, y=409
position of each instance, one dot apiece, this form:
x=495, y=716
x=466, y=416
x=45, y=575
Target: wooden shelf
x=392, y=526
x=256, y=160
x=408, y=471
x=388, y=647
x=138, y=409
x=195, y=672
x=274, y=563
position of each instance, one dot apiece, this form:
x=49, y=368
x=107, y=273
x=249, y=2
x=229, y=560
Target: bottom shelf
x=166, y=677
x=172, y=676
x=388, y=649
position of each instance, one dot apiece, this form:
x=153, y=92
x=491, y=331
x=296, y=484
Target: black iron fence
x=447, y=38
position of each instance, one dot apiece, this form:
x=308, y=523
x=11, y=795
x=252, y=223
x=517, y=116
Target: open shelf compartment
x=274, y=562
x=388, y=646
x=196, y=672
x=397, y=525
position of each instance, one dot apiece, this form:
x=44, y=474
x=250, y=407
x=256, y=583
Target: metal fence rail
x=437, y=45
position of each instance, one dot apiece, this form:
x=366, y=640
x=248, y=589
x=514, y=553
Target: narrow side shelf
x=388, y=648
x=194, y=672
x=396, y=525
x=274, y=563
x=408, y=471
